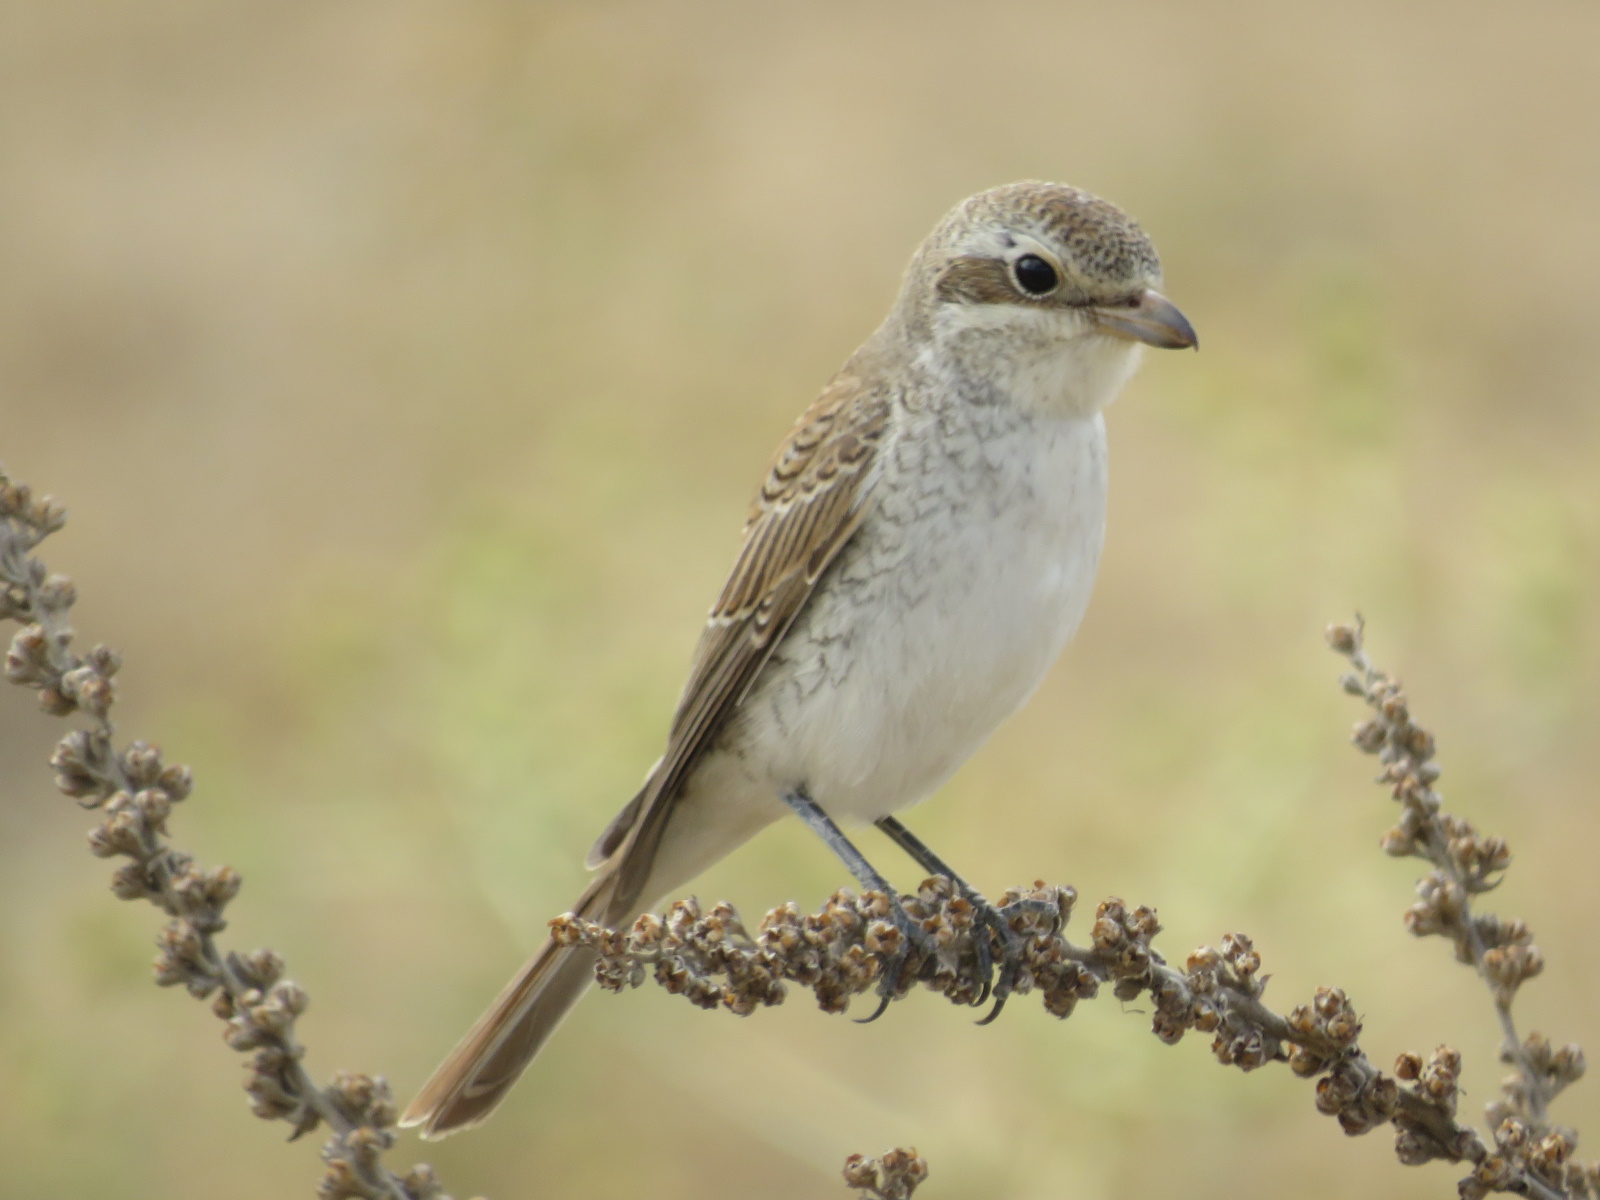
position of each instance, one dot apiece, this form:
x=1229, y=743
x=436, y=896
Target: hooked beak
x=1155, y=320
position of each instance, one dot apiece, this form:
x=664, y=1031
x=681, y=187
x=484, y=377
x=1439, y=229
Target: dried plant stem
x=843, y=950
x=137, y=793
x=1502, y=952
x=839, y=952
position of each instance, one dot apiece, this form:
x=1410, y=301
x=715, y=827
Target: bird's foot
x=1001, y=924
x=912, y=950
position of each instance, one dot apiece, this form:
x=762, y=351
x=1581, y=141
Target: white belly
x=941, y=617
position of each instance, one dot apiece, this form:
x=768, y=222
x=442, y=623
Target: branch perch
x=137, y=790
x=839, y=952
x=1528, y=1146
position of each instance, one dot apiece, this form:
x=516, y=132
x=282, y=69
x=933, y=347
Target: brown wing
x=813, y=499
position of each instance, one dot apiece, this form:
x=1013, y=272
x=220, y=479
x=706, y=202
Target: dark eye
x=1034, y=275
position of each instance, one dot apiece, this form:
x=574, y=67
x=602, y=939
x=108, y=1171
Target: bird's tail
x=472, y=1081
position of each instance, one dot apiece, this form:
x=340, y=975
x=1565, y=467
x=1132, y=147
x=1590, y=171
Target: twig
x=840, y=952
x=1466, y=864
x=137, y=791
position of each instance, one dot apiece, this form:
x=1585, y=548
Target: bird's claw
x=997, y=921
x=913, y=940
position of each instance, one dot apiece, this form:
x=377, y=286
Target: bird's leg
x=911, y=933
x=921, y=853
x=995, y=919
x=925, y=858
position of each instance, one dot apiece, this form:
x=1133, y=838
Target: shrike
x=922, y=548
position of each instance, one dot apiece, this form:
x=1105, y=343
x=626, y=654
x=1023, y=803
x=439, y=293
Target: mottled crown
x=1104, y=243
x=1103, y=254
x=1100, y=253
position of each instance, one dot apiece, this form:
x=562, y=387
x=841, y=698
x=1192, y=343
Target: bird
x=922, y=547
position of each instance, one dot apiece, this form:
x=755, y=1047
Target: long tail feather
x=472, y=1081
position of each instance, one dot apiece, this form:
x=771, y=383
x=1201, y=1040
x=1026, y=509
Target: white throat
x=1045, y=361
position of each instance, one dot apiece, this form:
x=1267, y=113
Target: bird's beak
x=1155, y=320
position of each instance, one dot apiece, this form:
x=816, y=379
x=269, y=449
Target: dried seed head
x=131, y=881
x=142, y=763
x=1342, y=639
x=1413, y=1148
x=177, y=781
x=1369, y=736
x=56, y=594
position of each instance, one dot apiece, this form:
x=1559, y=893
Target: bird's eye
x=1034, y=275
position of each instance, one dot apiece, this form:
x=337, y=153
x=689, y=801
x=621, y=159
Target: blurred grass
x=408, y=366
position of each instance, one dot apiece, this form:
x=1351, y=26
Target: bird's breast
x=971, y=570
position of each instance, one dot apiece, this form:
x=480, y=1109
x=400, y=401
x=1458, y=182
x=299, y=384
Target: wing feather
x=816, y=491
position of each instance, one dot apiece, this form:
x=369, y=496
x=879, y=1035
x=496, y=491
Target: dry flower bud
x=289, y=996
x=1510, y=1135
x=177, y=781
x=894, y=1176
x=142, y=763
x=131, y=882
x=1397, y=843
x=1493, y=1173
x=76, y=764
x=1142, y=922
x=57, y=593
x=47, y=515
x=154, y=805
x=120, y=833
x=340, y=1182
x=860, y=1171
x=1369, y=736
x=566, y=930
x=1550, y=1152
x=1107, y=934
x=1412, y=1149
x=1203, y=959
x=1567, y=1064
x=1240, y=955
x=1383, y=1095
x=220, y=885
x=1467, y=1146
x=105, y=661
x=260, y=969
x=1328, y=1099
x=422, y=1183
x=26, y=660
x=1420, y=743
x=244, y=1034
x=1305, y=1063
x=1342, y=639
x=55, y=703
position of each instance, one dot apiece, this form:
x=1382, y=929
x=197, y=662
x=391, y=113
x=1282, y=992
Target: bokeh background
x=407, y=367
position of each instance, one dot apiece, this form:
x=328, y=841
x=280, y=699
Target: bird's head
x=1042, y=292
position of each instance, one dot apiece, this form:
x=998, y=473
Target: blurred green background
x=407, y=367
